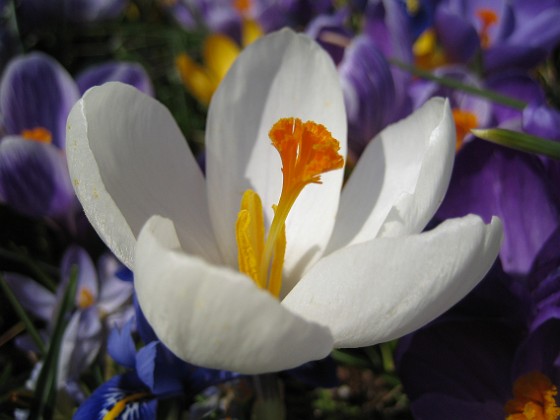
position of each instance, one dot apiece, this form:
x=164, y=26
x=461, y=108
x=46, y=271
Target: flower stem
x=269, y=403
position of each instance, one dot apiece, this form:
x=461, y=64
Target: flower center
x=120, y=405
x=465, y=121
x=307, y=150
x=85, y=298
x=427, y=53
x=38, y=134
x=488, y=18
x=534, y=399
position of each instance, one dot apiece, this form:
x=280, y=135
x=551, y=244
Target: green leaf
x=455, y=84
x=22, y=314
x=45, y=391
x=520, y=141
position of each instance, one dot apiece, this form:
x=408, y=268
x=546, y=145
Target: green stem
x=269, y=404
x=455, y=84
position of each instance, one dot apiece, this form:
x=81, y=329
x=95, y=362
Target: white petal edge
x=128, y=161
x=400, y=179
x=284, y=74
x=382, y=289
x=215, y=317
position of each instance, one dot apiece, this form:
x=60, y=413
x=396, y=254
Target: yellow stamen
x=412, y=7
x=307, y=150
x=465, y=121
x=488, y=18
x=250, y=32
x=119, y=407
x=249, y=232
x=534, y=399
x=85, y=298
x=38, y=134
x=427, y=53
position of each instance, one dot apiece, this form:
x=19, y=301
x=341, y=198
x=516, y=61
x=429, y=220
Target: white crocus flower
x=356, y=271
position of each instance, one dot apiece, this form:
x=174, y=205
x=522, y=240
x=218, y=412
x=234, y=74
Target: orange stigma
x=85, y=298
x=488, y=18
x=38, y=134
x=465, y=121
x=307, y=150
x=533, y=399
x=242, y=6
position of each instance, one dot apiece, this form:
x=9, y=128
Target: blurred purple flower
x=43, y=13
x=100, y=301
x=505, y=335
x=369, y=92
x=508, y=34
x=36, y=94
x=154, y=373
x=492, y=180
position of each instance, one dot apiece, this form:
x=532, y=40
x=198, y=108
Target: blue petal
x=121, y=346
x=76, y=256
x=36, y=91
x=116, y=71
x=34, y=178
x=117, y=389
x=146, y=332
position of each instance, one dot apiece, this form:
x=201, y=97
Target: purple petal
x=492, y=180
x=43, y=13
x=517, y=85
x=542, y=279
x=466, y=359
x=120, y=346
x=541, y=31
x=444, y=407
x=541, y=120
x=36, y=91
x=114, y=390
x=115, y=71
x=32, y=296
x=504, y=57
x=369, y=91
x=87, y=290
x=34, y=178
x=540, y=350
x=457, y=35
x=114, y=292
x=331, y=34
x=82, y=341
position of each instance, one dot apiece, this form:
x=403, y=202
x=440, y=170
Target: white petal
x=382, y=289
x=128, y=160
x=400, y=179
x=281, y=75
x=215, y=317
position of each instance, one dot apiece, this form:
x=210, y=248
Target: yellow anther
x=85, y=298
x=307, y=150
x=38, y=134
x=488, y=18
x=534, y=399
x=465, y=121
x=249, y=232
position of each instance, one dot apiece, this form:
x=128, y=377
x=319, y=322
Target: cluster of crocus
x=344, y=202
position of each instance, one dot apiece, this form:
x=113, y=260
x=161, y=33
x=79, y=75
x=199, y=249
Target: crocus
x=100, y=301
x=493, y=356
x=337, y=269
x=36, y=94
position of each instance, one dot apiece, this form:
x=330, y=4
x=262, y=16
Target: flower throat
x=307, y=150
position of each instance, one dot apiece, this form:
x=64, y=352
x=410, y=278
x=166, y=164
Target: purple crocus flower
x=492, y=180
x=510, y=34
x=36, y=94
x=100, y=300
x=495, y=353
